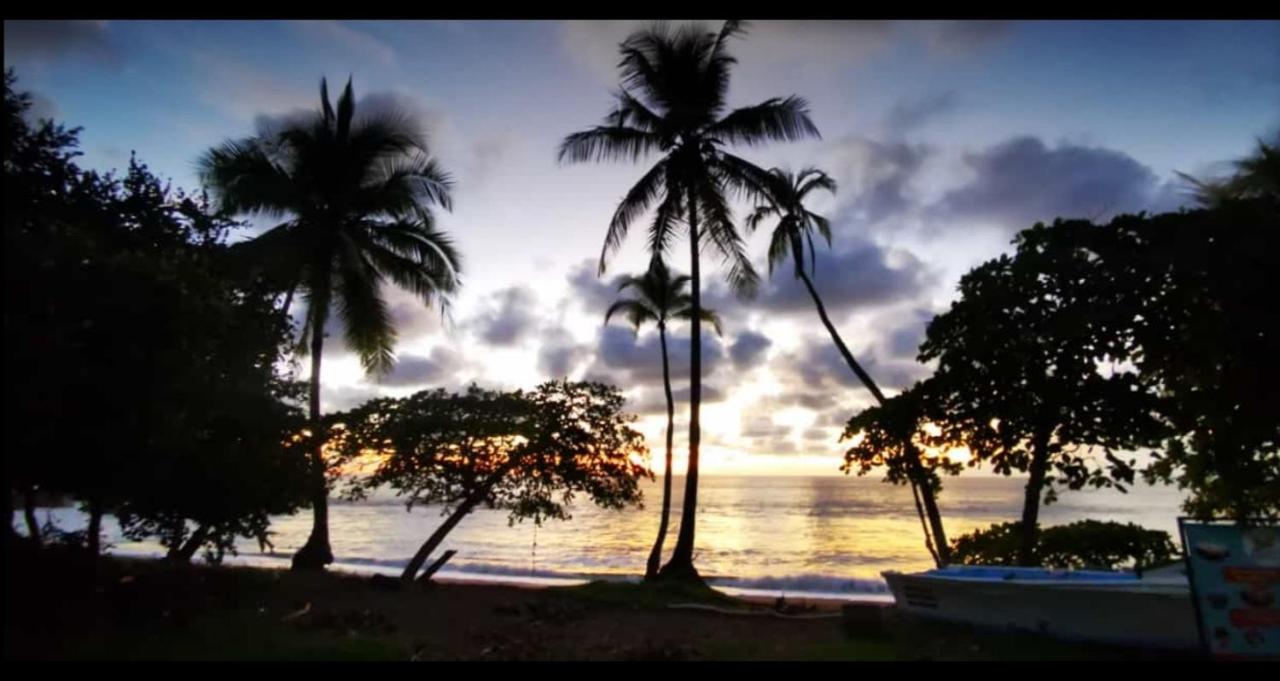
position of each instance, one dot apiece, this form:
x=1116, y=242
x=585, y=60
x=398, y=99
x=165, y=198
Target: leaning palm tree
x=792, y=238
x=353, y=194
x=659, y=298
x=672, y=102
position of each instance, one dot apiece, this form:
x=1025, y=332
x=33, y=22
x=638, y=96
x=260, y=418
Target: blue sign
x=1235, y=583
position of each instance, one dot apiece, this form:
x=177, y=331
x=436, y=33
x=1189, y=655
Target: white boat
x=1151, y=610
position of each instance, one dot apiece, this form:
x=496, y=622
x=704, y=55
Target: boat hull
x=1134, y=613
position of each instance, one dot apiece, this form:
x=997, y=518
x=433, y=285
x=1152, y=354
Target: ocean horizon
x=814, y=536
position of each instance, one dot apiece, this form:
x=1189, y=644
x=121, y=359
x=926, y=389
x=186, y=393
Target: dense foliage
x=1090, y=544
x=527, y=452
x=141, y=369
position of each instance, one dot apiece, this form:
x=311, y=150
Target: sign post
x=1234, y=573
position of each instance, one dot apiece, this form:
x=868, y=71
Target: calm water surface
x=819, y=535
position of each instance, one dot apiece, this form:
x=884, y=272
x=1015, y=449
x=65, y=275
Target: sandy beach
x=131, y=609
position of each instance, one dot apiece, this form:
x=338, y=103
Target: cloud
x=351, y=39
x=909, y=115
x=560, y=354
x=807, y=43
x=878, y=180
x=47, y=40
x=653, y=401
x=414, y=370
x=749, y=350
x=594, y=44
x=862, y=275
x=628, y=360
x=509, y=318
x=591, y=293
x=1021, y=181
x=963, y=38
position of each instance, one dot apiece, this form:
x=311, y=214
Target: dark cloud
x=54, y=39
x=859, y=276
x=905, y=339
x=414, y=370
x=594, y=294
x=909, y=115
x=627, y=359
x=509, y=319
x=560, y=354
x=749, y=349
x=876, y=180
x=653, y=402
x=1023, y=181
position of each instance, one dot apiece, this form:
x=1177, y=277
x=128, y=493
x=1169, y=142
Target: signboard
x=1235, y=584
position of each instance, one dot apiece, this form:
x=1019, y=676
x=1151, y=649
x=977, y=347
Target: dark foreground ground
x=58, y=606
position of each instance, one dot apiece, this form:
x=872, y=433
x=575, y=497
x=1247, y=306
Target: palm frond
x=776, y=119
x=367, y=322
x=607, y=143
x=243, y=178
x=636, y=202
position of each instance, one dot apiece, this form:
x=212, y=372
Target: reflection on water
x=795, y=533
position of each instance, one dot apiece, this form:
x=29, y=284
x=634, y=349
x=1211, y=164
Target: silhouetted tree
x=792, y=237
x=658, y=299
x=529, y=453
x=130, y=344
x=354, y=191
x=1030, y=369
x=1200, y=289
x=672, y=102
x=893, y=435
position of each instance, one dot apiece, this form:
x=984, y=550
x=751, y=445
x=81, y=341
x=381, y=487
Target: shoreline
x=823, y=600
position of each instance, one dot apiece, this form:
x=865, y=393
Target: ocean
x=827, y=536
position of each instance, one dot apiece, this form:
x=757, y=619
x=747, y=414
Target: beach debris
x=298, y=613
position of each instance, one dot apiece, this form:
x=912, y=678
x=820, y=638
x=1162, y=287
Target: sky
x=945, y=139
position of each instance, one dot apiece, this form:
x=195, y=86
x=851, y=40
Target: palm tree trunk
x=183, y=554
x=938, y=545
x=95, y=526
x=316, y=554
x=1031, y=498
x=420, y=558
x=655, y=556
x=29, y=513
x=415, y=564
x=681, y=564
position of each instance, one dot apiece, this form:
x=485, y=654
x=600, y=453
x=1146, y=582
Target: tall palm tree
x=659, y=298
x=791, y=239
x=672, y=102
x=353, y=194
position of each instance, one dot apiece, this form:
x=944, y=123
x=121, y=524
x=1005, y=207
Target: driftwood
x=435, y=567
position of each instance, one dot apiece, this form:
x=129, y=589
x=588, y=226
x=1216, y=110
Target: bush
x=1084, y=544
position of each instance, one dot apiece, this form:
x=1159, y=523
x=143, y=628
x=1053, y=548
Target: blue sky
x=945, y=139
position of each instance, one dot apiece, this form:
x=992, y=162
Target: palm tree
x=1256, y=176
x=792, y=238
x=659, y=297
x=672, y=101
x=353, y=193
